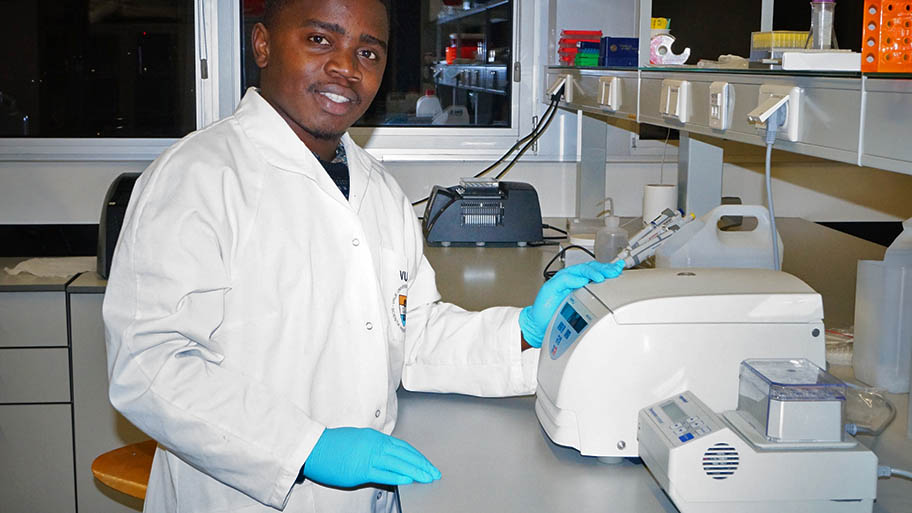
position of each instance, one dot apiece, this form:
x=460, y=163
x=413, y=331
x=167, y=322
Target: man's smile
x=336, y=98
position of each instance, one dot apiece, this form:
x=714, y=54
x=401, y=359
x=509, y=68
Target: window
x=97, y=69
x=461, y=53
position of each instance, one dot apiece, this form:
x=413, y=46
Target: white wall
x=818, y=190
x=56, y=192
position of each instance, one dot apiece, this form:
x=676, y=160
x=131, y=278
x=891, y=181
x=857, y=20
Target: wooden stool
x=126, y=469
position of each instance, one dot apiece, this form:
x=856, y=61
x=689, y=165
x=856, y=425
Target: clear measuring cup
x=822, y=13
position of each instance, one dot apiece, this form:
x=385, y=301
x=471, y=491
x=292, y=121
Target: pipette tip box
x=792, y=400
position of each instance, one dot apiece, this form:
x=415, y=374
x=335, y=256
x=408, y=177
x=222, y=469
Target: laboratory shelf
x=829, y=110
x=697, y=69
x=459, y=15
x=886, y=125
x=849, y=117
x=590, y=90
x=755, y=71
x=489, y=78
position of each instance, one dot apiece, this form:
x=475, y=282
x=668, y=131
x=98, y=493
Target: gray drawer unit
x=591, y=89
x=33, y=318
x=829, y=113
x=98, y=427
x=36, y=451
x=888, y=112
x=34, y=375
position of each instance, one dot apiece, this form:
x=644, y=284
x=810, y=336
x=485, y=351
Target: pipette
x=645, y=243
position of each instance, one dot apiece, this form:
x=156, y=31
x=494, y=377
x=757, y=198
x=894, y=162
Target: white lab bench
x=493, y=454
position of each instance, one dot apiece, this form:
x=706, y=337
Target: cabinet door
x=99, y=428
x=39, y=375
x=32, y=319
x=36, y=451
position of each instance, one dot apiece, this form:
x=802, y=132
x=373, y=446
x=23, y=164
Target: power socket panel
x=610, y=93
x=789, y=130
x=565, y=80
x=675, y=102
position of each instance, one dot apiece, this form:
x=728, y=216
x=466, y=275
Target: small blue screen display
x=574, y=319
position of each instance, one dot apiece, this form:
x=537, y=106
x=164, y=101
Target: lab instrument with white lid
x=617, y=346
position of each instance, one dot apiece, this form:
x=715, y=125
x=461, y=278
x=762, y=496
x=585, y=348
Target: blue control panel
x=571, y=321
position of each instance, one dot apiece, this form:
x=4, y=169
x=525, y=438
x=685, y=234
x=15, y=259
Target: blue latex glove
x=533, y=320
x=348, y=457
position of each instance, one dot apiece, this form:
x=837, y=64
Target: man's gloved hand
x=533, y=320
x=348, y=457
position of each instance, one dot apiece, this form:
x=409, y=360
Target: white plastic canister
x=701, y=243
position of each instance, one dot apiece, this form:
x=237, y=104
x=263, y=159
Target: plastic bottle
x=610, y=240
x=883, y=317
x=428, y=105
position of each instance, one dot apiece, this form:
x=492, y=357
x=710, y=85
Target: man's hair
x=274, y=8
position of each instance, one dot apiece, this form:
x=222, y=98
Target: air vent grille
x=720, y=461
x=482, y=213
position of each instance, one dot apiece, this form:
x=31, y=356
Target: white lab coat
x=250, y=305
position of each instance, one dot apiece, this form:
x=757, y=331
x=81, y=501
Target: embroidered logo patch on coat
x=399, y=306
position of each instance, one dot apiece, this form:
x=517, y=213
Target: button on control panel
x=690, y=428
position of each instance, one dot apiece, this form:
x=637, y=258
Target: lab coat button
x=379, y=495
x=377, y=414
x=355, y=242
x=369, y=325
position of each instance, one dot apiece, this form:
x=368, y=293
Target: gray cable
x=886, y=471
x=772, y=212
x=772, y=125
x=902, y=473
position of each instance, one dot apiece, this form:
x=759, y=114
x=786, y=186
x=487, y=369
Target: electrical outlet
x=610, y=93
x=676, y=102
x=793, y=108
x=565, y=80
x=721, y=104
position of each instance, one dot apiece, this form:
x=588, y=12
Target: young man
x=269, y=293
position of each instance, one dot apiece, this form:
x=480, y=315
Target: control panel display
x=680, y=419
x=574, y=319
x=567, y=326
x=674, y=412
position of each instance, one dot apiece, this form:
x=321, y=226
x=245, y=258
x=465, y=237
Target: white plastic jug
x=701, y=243
x=428, y=105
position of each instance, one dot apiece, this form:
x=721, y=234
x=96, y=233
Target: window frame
x=465, y=144
x=216, y=97
x=218, y=35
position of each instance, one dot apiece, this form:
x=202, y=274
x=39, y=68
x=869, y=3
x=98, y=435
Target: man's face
x=322, y=62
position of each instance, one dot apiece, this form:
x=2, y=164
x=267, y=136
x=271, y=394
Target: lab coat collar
x=281, y=148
